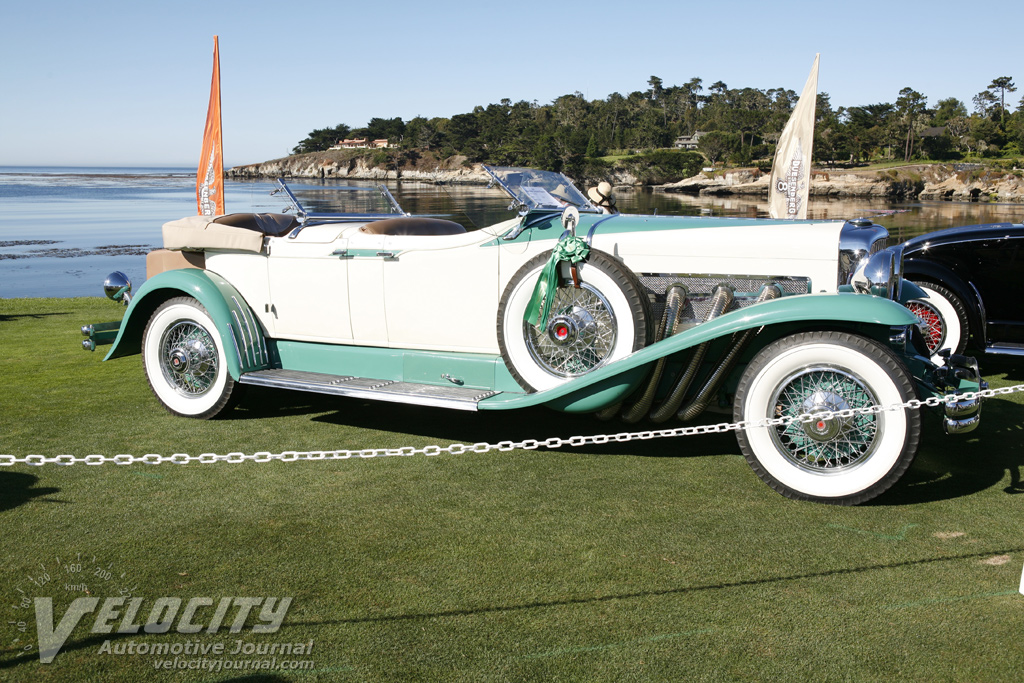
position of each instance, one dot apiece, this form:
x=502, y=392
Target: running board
x=459, y=398
x=1006, y=349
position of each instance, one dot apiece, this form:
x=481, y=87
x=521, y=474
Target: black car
x=974, y=280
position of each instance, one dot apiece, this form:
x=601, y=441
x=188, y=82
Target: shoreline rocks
x=932, y=181
x=325, y=165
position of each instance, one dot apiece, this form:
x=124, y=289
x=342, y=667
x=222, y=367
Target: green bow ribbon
x=572, y=249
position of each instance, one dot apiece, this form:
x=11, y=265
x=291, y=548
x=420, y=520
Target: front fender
x=943, y=274
x=841, y=307
x=238, y=328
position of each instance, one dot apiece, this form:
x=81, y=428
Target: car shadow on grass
x=1012, y=367
x=8, y=317
x=950, y=467
x=444, y=427
x=18, y=488
x=946, y=467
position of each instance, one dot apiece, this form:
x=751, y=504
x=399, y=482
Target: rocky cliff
x=931, y=181
x=345, y=164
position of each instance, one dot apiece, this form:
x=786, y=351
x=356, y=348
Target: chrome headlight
x=858, y=240
x=879, y=274
x=118, y=287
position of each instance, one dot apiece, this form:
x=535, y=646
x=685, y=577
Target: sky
x=114, y=83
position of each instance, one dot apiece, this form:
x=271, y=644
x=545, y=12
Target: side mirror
x=118, y=287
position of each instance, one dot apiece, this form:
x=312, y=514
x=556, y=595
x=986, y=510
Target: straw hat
x=602, y=194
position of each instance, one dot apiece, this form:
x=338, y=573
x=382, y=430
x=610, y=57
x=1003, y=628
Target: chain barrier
x=504, y=446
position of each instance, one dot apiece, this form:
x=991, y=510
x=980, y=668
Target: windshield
x=533, y=190
x=340, y=203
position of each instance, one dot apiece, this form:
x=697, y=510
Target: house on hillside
x=362, y=143
x=688, y=141
x=359, y=143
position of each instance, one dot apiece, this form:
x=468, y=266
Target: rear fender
x=808, y=310
x=239, y=329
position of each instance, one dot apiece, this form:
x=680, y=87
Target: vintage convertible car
x=973, y=289
x=563, y=305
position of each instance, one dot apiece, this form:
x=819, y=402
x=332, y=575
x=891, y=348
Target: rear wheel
x=183, y=357
x=603, y=320
x=839, y=460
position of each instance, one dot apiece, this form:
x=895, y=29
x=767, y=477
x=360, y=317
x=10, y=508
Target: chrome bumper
x=961, y=374
x=98, y=334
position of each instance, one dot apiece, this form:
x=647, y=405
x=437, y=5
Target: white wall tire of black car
x=843, y=462
x=183, y=357
x=950, y=331
x=607, y=319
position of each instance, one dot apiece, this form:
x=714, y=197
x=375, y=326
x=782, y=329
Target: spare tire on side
x=603, y=320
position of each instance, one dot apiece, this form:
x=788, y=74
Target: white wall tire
x=183, y=357
x=840, y=461
x=944, y=319
x=604, y=320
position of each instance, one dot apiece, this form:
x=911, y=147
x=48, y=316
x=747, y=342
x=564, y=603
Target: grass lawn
x=653, y=560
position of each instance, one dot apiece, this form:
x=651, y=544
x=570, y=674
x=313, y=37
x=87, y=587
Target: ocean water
x=63, y=229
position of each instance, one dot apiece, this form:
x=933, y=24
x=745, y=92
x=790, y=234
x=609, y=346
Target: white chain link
x=482, y=447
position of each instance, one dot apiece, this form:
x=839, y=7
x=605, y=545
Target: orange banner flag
x=210, y=176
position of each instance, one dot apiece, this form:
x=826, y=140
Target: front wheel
x=183, y=357
x=943, y=319
x=839, y=460
x=603, y=320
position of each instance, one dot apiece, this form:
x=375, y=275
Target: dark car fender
x=942, y=274
x=239, y=329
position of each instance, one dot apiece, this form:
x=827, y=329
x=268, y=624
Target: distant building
x=936, y=132
x=362, y=143
x=689, y=141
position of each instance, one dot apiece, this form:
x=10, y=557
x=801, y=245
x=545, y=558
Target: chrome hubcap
x=188, y=358
x=580, y=334
x=828, y=428
x=831, y=444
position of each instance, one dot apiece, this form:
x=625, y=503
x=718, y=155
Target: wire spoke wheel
x=183, y=356
x=931, y=324
x=826, y=444
x=943, y=319
x=188, y=358
x=597, y=323
x=580, y=334
x=842, y=459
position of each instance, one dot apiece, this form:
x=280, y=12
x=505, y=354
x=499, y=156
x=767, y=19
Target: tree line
x=739, y=126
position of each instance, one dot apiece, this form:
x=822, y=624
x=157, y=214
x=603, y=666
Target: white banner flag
x=791, y=169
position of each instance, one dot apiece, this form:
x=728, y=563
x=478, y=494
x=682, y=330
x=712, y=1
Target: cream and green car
x=644, y=319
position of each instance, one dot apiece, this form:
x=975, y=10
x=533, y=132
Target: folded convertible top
x=236, y=231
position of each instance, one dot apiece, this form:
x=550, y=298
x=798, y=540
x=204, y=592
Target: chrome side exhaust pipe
x=720, y=302
x=674, y=302
x=711, y=385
